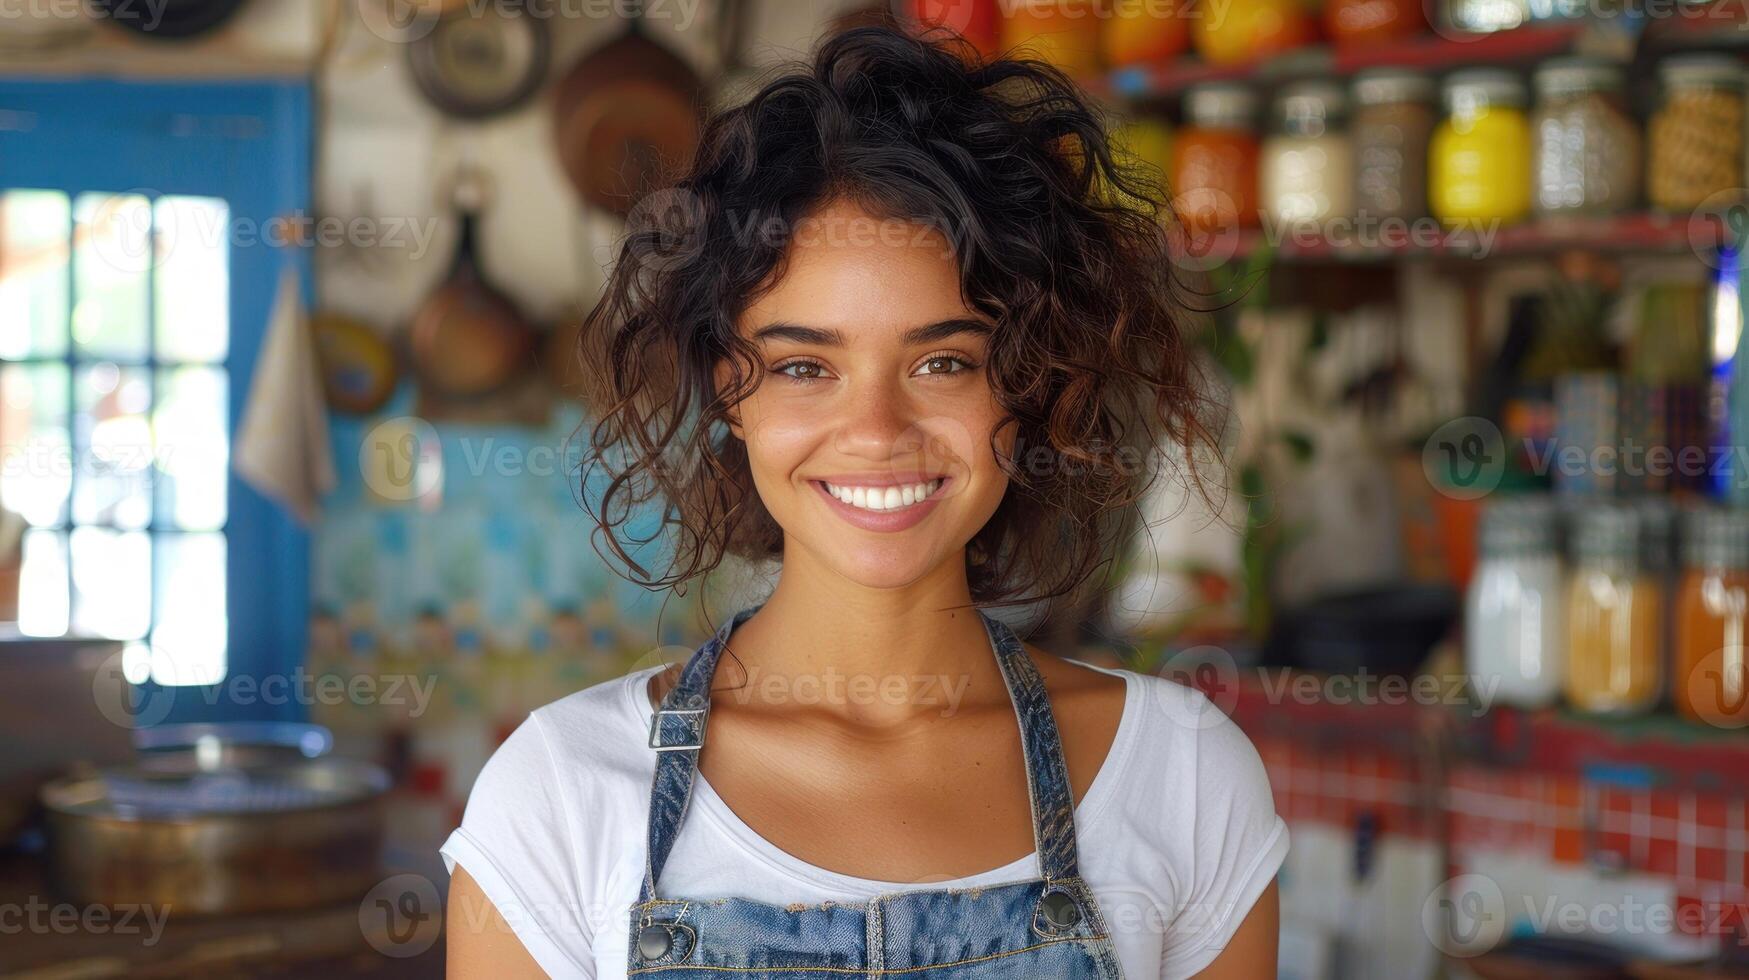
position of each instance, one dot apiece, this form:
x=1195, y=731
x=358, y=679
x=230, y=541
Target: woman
x=907, y=327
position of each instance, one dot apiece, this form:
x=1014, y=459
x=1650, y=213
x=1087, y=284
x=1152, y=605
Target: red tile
x=1665, y=805
x=1661, y=856
x=1619, y=843
x=1711, y=811
x=1709, y=864
x=1569, y=847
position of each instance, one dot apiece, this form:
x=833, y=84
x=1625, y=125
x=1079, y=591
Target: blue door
x=138, y=264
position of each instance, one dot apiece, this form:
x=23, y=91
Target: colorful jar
x=1306, y=174
x=1614, y=615
x=1696, y=136
x=1514, y=633
x=1479, y=161
x=1710, y=681
x=1214, y=174
x=1587, y=146
x=1249, y=30
x=1392, y=123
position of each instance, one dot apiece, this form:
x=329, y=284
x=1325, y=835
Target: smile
x=885, y=507
x=896, y=497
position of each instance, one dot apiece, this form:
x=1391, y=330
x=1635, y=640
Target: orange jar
x=1214, y=174
x=1614, y=616
x=1711, y=679
x=1361, y=23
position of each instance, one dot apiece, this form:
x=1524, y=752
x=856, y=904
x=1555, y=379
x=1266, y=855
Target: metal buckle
x=656, y=728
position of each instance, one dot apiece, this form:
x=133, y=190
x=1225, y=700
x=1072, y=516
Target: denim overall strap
x=677, y=735
x=1047, y=776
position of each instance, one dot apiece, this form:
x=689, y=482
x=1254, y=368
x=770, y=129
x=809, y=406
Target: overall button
x=654, y=942
x=1060, y=909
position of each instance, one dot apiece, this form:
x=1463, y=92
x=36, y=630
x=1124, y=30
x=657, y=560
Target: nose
x=879, y=422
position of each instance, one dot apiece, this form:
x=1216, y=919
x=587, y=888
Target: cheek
x=778, y=439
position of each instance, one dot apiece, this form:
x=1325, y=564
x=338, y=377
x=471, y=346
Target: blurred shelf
x=1427, y=52
x=1659, y=749
x=1640, y=233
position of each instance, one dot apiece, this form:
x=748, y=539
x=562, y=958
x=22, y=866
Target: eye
x=801, y=369
x=943, y=364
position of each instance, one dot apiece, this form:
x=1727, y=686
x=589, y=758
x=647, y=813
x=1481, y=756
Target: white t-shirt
x=1177, y=834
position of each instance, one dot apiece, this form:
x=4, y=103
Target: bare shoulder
x=1064, y=679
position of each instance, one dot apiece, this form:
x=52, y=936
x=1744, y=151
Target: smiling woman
x=908, y=328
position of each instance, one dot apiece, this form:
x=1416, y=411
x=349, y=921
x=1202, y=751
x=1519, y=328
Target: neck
x=868, y=656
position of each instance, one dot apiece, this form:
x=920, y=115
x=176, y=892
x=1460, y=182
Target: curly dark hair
x=1059, y=239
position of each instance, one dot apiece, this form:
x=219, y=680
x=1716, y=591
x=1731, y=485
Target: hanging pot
x=358, y=366
x=473, y=65
x=625, y=116
x=169, y=20
x=468, y=339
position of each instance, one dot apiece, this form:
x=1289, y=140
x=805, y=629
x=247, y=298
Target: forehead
x=849, y=270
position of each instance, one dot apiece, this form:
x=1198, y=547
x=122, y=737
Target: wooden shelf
x=1427, y=52
x=1640, y=233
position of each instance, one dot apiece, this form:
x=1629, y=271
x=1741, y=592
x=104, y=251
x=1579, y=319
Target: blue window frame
x=158, y=345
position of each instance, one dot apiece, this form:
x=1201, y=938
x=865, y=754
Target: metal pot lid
x=167, y=19
x=477, y=64
x=139, y=793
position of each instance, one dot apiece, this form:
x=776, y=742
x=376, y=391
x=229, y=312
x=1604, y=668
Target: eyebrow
x=826, y=337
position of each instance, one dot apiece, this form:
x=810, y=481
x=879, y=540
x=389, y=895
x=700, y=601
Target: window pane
x=37, y=466
x=188, y=641
x=42, y=584
x=193, y=450
x=111, y=261
x=112, y=582
x=35, y=230
x=191, y=298
x=113, y=445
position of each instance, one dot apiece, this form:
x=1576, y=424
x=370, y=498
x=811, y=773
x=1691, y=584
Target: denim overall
x=1045, y=928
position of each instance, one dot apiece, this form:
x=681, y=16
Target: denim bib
x=1044, y=927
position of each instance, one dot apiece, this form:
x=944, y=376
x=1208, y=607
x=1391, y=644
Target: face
x=870, y=432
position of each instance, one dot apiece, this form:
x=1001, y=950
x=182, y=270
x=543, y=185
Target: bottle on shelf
x=1514, y=632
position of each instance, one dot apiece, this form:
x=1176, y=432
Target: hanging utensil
x=167, y=20
x=468, y=338
x=473, y=64
x=624, y=116
x=359, y=370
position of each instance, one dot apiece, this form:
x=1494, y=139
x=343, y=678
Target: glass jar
x=1393, y=120
x=1307, y=170
x=1479, y=159
x=1364, y=23
x=1614, y=615
x=1513, y=629
x=1696, y=136
x=1587, y=145
x=1710, y=682
x=1214, y=173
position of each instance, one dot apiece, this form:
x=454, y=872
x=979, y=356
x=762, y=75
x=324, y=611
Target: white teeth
x=883, y=498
